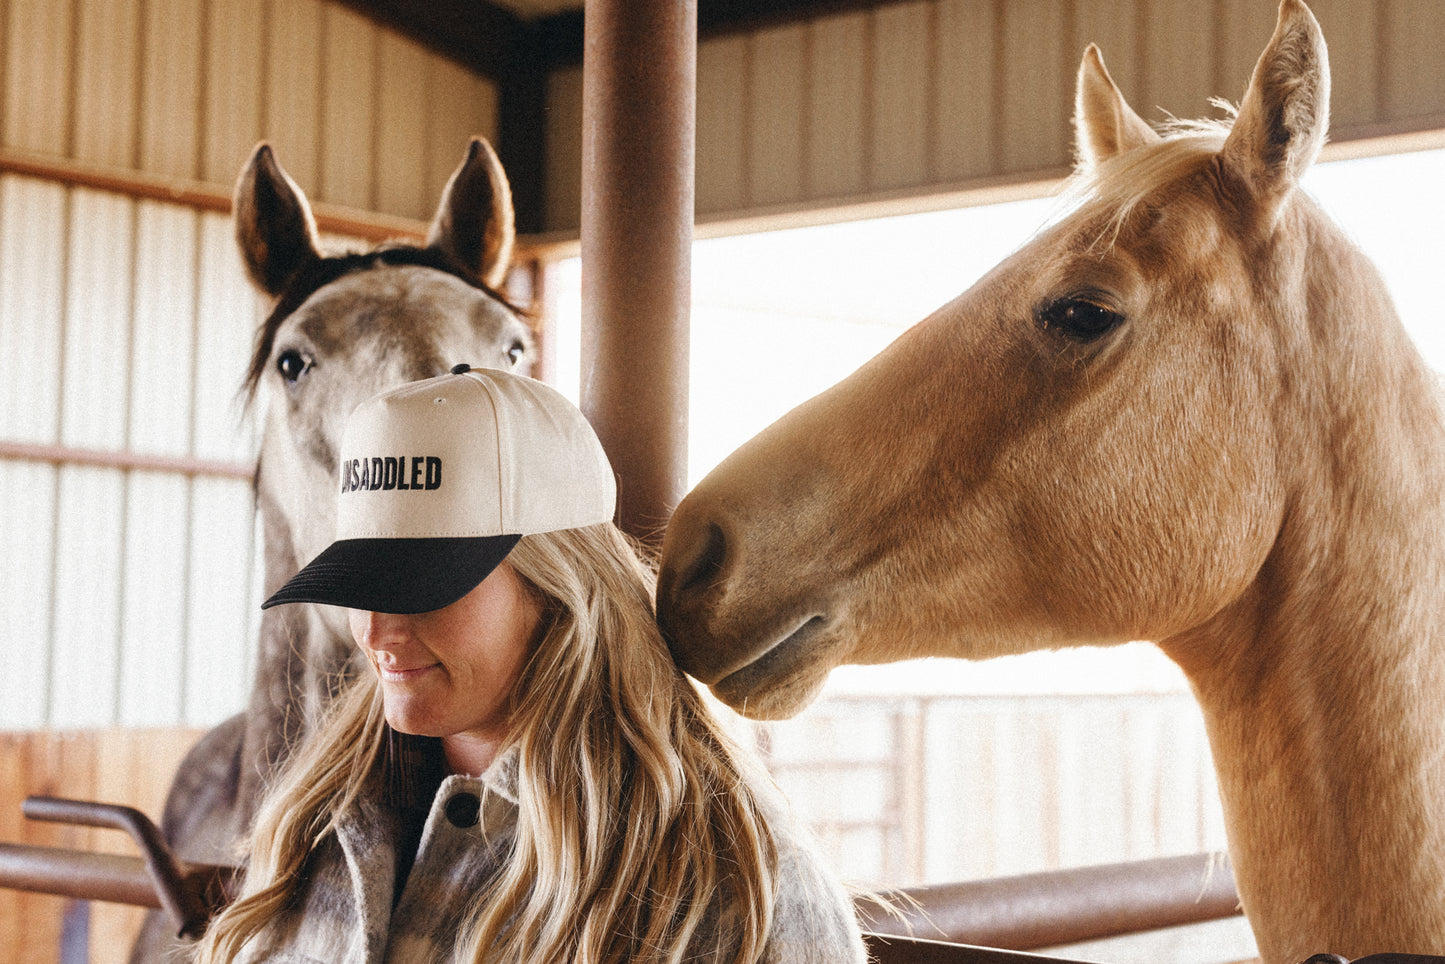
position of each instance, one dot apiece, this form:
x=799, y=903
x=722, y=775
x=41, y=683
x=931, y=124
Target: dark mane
x=320, y=272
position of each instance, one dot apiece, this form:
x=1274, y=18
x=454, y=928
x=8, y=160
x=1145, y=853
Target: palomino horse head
x=1088, y=446
x=344, y=327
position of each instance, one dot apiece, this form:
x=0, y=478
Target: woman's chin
x=412, y=724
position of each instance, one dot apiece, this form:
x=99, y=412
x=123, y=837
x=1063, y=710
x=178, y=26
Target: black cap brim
x=402, y=576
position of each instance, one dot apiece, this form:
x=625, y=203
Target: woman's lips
x=393, y=674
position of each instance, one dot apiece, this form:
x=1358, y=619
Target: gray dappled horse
x=342, y=328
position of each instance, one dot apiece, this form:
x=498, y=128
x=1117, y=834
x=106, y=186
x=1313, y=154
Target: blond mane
x=1114, y=188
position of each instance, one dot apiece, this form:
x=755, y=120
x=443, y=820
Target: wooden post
x=639, y=69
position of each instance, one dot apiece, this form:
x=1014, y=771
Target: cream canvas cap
x=440, y=479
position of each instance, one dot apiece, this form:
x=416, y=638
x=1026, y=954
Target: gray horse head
x=344, y=327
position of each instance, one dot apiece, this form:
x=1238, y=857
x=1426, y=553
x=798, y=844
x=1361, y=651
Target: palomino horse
x=342, y=328
x=1185, y=412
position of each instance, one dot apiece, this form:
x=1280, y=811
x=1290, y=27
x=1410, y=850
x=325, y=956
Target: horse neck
x=299, y=660
x=1322, y=686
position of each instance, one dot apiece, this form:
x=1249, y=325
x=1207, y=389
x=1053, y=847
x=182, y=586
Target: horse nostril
x=700, y=564
x=708, y=563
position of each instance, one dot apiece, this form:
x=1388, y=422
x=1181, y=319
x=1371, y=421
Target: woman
x=524, y=776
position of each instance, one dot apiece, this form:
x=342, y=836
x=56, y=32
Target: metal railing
x=1018, y=913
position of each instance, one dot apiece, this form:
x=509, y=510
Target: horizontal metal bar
x=181, y=893
x=891, y=949
x=126, y=461
x=1051, y=909
x=111, y=878
x=71, y=873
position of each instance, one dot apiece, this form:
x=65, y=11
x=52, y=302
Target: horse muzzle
x=727, y=628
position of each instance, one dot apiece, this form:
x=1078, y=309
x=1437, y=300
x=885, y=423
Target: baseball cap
x=440, y=478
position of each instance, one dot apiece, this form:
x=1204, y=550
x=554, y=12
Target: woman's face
x=450, y=672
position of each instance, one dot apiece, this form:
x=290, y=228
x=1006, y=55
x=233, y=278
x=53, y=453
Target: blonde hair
x=637, y=814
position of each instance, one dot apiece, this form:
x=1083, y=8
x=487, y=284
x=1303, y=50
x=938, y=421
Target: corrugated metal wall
x=126, y=324
x=939, y=95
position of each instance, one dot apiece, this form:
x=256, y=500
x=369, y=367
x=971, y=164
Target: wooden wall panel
x=904, y=124
x=459, y=105
x=171, y=87
x=231, y=112
x=1412, y=78
x=1035, y=87
x=106, y=72
x=294, y=89
x=940, y=96
x=964, y=89
x=402, y=145
x=31, y=923
x=1178, y=51
x=777, y=104
x=348, y=127
x=39, y=63
x=839, y=138
x=1352, y=34
x=723, y=102
x=563, y=199
x=1114, y=25
x=1242, y=28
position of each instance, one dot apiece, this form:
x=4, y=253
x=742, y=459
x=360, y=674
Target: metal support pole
x=639, y=69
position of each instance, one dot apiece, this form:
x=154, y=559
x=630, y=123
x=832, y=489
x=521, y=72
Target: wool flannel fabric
x=344, y=915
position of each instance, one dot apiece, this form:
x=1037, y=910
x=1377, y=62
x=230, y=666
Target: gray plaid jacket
x=344, y=913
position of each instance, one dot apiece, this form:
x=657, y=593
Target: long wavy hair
x=638, y=820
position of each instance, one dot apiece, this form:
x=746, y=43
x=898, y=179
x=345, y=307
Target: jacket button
x=462, y=810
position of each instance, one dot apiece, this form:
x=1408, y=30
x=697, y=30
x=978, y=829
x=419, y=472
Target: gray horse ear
x=1104, y=123
x=474, y=222
x=1285, y=115
x=275, y=229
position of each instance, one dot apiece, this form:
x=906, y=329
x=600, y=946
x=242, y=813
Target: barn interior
x=133, y=568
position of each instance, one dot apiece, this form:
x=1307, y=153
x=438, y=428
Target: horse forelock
x=321, y=272
x=1111, y=191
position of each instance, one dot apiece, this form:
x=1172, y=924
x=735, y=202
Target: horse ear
x=474, y=222
x=274, y=226
x=1104, y=124
x=1285, y=114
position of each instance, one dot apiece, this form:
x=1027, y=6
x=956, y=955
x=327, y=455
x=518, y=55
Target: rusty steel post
x=639, y=72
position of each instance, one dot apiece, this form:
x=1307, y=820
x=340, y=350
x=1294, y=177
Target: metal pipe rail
x=1027, y=911
x=1051, y=909
x=189, y=893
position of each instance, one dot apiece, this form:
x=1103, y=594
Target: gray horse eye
x=292, y=364
x=515, y=353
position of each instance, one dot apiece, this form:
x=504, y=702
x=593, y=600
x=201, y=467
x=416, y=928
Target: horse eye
x=1080, y=318
x=292, y=364
x=515, y=353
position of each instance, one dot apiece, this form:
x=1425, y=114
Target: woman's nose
x=377, y=630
